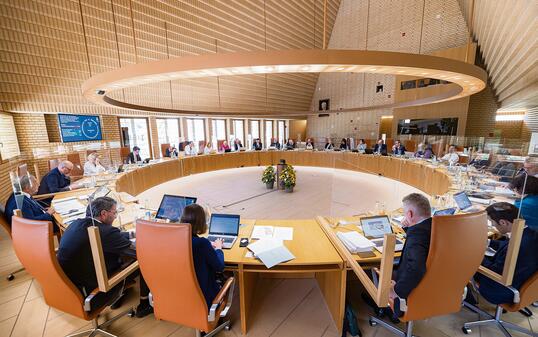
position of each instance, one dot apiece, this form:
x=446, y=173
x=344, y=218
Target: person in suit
x=290, y=145
x=258, y=146
x=361, y=147
x=428, y=152
x=134, y=157
x=171, y=151
x=398, y=149
x=275, y=143
x=328, y=144
x=92, y=165
x=207, y=256
x=502, y=216
x=411, y=268
x=530, y=167
x=189, y=149
x=208, y=148
x=309, y=144
x=451, y=158
x=343, y=144
x=527, y=202
x=57, y=179
x=30, y=208
x=380, y=148
x=237, y=144
x=75, y=255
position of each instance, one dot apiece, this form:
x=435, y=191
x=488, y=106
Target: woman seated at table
x=343, y=144
x=189, y=149
x=361, y=147
x=329, y=144
x=224, y=146
x=208, y=257
x=208, y=148
x=92, y=165
x=309, y=144
x=529, y=204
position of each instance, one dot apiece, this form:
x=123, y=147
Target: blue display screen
x=79, y=128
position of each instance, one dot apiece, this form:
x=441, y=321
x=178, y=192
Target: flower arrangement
x=268, y=176
x=288, y=177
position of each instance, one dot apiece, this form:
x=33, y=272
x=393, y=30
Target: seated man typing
x=57, y=180
x=412, y=266
x=502, y=216
x=75, y=255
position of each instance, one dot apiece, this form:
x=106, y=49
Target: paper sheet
x=271, y=251
x=283, y=233
x=268, y=232
x=69, y=207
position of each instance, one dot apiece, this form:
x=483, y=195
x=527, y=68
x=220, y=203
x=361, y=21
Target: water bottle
x=148, y=212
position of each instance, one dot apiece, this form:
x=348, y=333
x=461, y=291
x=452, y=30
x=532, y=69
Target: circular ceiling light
x=466, y=78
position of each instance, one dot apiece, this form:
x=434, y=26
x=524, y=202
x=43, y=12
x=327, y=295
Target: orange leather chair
x=164, y=252
x=163, y=149
x=22, y=170
x=53, y=163
x=522, y=298
x=34, y=246
x=7, y=228
x=77, y=171
x=457, y=247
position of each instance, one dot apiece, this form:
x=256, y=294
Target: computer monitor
x=172, y=206
x=224, y=224
x=446, y=211
x=376, y=226
x=462, y=200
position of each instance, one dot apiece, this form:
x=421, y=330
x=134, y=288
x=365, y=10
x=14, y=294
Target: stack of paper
x=271, y=251
x=504, y=191
x=69, y=207
x=355, y=242
x=268, y=232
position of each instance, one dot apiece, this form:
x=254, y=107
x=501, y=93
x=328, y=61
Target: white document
x=504, y=191
x=271, y=251
x=355, y=242
x=69, y=207
x=268, y=232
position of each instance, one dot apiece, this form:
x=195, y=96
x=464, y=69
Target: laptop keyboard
x=225, y=240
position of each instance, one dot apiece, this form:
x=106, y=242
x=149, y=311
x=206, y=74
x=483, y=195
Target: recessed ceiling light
x=340, y=68
x=373, y=69
x=305, y=68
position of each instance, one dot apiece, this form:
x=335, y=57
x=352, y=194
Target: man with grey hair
x=75, y=254
x=417, y=223
x=30, y=208
x=58, y=180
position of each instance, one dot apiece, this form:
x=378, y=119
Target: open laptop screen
x=462, y=200
x=172, y=207
x=224, y=224
x=376, y=226
x=446, y=211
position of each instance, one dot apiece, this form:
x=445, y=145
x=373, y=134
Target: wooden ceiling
x=507, y=33
x=48, y=48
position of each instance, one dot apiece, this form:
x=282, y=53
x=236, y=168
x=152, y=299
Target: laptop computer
x=102, y=191
x=446, y=211
x=464, y=203
x=172, y=206
x=225, y=227
x=375, y=228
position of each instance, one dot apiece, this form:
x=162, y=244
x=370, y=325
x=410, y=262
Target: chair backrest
x=163, y=149
x=22, y=170
x=456, y=250
x=33, y=243
x=53, y=163
x=3, y=220
x=164, y=252
x=77, y=166
x=124, y=153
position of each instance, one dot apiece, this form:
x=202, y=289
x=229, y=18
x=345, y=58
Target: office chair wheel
x=10, y=277
x=371, y=322
x=466, y=330
x=228, y=327
x=131, y=313
x=535, y=304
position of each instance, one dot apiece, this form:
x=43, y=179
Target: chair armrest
x=224, y=296
x=515, y=292
x=88, y=299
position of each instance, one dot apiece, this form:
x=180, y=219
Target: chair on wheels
x=522, y=298
x=7, y=228
x=457, y=247
x=34, y=246
x=164, y=253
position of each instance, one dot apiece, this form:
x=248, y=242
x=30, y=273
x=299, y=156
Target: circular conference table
x=317, y=254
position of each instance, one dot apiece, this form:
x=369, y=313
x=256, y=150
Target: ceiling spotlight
x=305, y=68
x=340, y=68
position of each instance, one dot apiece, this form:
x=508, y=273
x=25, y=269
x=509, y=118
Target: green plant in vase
x=268, y=177
x=288, y=178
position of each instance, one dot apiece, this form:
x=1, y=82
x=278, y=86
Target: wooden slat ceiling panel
x=49, y=47
x=507, y=33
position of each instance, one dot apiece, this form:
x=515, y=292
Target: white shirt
x=452, y=158
x=207, y=150
x=91, y=169
x=190, y=151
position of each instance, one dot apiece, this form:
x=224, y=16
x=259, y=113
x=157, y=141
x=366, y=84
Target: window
x=9, y=145
x=168, y=131
x=255, y=129
x=137, y=131
x=268, y=132
x=218, y=131
x=239, y=130
x=195, y=130
x=282, y=132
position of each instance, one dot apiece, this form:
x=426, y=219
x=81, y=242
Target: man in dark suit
x=258, y=146
x=502, y=216
x=398, y=149
x=30, y=208
x=57, y=180
x=380, y=148
x=412, y=266
x=75, y=255
x=134, y=157
x=170, y=151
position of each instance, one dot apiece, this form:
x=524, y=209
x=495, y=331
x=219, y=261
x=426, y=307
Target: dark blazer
x=329, y=146
x=399, y=150
x=168, y=153
x=277, y=145
x=526, y=266
x=132, y=160
x=237, y=147
x=343, y=146
x=383, y=148
x=257, y=146
x=54, y=181
x=412, y=265
x=207, y=262
x=75, y=255
x=30, y=209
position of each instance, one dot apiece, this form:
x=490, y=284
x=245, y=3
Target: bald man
x=57, y=180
